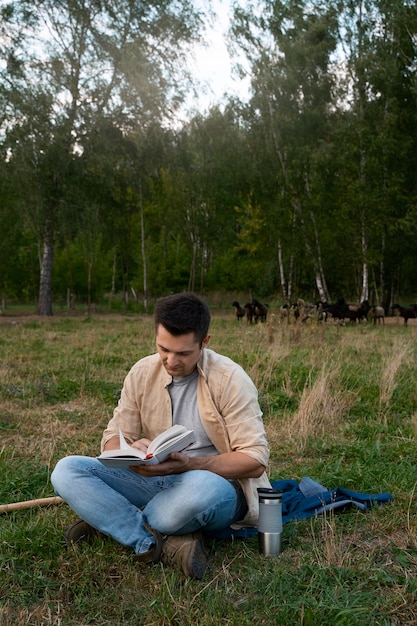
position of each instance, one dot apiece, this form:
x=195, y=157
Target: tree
x=207, y=176
x=378, y=39
x=69, y=65
x=334, y=96
x=290, y=47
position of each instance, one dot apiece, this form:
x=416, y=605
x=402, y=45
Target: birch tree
x=378, y=40
x=289, y=47
x=71, y=63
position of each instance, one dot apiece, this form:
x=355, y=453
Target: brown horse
x=240, y=311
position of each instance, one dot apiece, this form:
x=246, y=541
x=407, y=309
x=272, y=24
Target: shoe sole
x=195, y=564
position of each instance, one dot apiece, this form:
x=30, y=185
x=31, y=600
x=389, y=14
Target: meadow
x=340, y=406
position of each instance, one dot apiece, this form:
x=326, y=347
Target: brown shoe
x=81, y=531
x=153, y=555
x=186, y=551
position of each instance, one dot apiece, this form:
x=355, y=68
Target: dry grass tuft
x=391, y=364
x=322, y=405
x=414, y=423
x=329, y=543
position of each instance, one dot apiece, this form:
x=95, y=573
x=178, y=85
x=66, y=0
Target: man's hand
x=176, y=463
x=114, y=444
x=228, y=465
x=141, y=444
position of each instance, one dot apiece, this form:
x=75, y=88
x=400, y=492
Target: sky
x=213, y=66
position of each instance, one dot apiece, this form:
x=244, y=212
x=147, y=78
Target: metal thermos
x=270, y=521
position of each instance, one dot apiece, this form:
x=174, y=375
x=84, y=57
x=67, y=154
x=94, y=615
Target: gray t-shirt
x=183, y=393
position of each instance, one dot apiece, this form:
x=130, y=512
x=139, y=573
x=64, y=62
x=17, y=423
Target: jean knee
x=63, y=473
x=203, y=500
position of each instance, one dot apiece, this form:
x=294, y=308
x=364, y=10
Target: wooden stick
x=29, y=504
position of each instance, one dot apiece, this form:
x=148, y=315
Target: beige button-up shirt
x=228, y=406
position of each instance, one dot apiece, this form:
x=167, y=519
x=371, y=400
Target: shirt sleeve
x=229, y=401
x=127, y=413
x=243, y=416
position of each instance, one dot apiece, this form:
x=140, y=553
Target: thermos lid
x=269, y=493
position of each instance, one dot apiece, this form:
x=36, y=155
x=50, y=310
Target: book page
x=124, y=451
x=123, y=443
x=124, y=457
x=167, y=435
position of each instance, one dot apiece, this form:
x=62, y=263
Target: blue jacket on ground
x=307, y=499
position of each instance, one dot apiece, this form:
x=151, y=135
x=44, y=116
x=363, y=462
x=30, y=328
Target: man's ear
x=205, y=341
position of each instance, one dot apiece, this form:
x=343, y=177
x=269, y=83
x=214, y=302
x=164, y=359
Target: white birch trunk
x=282, y=272
x=45, y=285
x=365, y=272
x=143, y=251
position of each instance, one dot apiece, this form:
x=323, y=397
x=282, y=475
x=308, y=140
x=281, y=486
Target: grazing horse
x=358, y=312
x=377, y=314
x=260, y=311
x=249, y=312
x=407, y=313
x=240, y=311
x=342, y=310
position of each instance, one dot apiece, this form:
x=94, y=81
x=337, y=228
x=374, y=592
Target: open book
x=175, y=439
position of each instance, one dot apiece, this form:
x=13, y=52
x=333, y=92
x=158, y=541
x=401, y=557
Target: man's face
x=179, y=355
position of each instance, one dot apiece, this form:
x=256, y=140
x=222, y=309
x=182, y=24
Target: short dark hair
x=183, y=313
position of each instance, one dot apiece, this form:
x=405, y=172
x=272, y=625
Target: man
x=161, y=510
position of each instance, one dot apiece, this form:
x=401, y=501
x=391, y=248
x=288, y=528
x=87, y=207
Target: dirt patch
x=24, y=318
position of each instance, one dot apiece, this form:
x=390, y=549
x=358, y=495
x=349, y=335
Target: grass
x=340, y=405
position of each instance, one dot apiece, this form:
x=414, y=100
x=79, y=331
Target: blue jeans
x=120, y=502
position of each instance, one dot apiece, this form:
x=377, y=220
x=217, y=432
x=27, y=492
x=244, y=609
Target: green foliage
x=296, y=192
